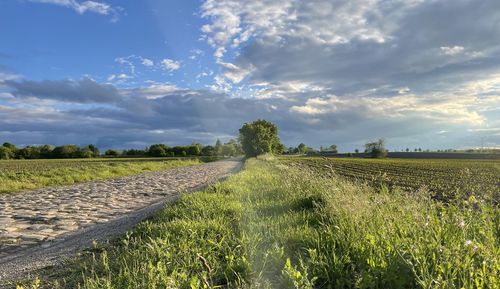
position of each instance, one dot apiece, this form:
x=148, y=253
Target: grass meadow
x=20, y=175
x=274, y=225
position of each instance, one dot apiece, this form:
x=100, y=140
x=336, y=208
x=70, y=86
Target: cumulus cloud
x=349, y=45
x=147, y=62
x=170, y=64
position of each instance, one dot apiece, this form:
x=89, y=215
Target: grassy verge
x=27, y=175
x=273, y=226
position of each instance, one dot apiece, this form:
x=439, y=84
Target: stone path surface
x=39, y=218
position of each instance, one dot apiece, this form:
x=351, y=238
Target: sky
x=127, y=74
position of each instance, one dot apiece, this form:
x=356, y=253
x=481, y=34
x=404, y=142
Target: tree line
x=255, y=138
x=11, y=151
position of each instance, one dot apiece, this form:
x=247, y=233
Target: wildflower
x=467, y=243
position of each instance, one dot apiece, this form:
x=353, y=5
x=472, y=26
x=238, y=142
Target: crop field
x=443, y=178
x=18, y=175
x=280, y=225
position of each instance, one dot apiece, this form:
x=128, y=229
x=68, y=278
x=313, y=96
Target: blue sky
x=131, y=73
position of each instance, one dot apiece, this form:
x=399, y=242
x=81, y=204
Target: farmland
x=285, y=224
x=443, y=178
x=18, y=175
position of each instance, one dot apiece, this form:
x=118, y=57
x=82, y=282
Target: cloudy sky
x=129, y=73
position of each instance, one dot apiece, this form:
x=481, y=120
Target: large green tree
x=260, y=137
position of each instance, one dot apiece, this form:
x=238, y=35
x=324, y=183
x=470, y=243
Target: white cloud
x=8, y=76
x=147, y=62
x=119, y=77
x=400, y=107
x=404, y=90
x=333, y=22
x=205, y=74
x=234, y=73
x=448, y=50
x=153, y=91
x=170, y=65
x=221, y=84
x=127, y=61
x=196, y=53
x=85, y=6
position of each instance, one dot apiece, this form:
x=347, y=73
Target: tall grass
x=273, y=226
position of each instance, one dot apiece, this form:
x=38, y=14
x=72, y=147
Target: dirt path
x=40, y=228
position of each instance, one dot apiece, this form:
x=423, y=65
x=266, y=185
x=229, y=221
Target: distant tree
x=232, y=148
x=94, y=150
x=27, y=152
x=208, y=151
x=134, y=153
x=12, y=147
x=6, y=153
x=86, y=152
x=407, y=149
x=333, y=148
x=419, y=149
x=376, y=149
x=260, y=137
x=199, y=146
x=66, y=151
x=302, y=148
x=356, y=151
x=321, y=148
x=157, y=150
x=111, y=153
x=193, y=150
x=46, y=151
x=218, y=147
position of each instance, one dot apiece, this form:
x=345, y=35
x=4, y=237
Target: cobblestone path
x=37, y=217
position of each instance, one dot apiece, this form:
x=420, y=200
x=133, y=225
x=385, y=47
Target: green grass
x=278, y=226
x=19, y=175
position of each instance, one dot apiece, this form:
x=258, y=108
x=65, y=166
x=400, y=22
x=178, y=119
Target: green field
x=283, y=224
x=19, y=175
x=444, y=178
